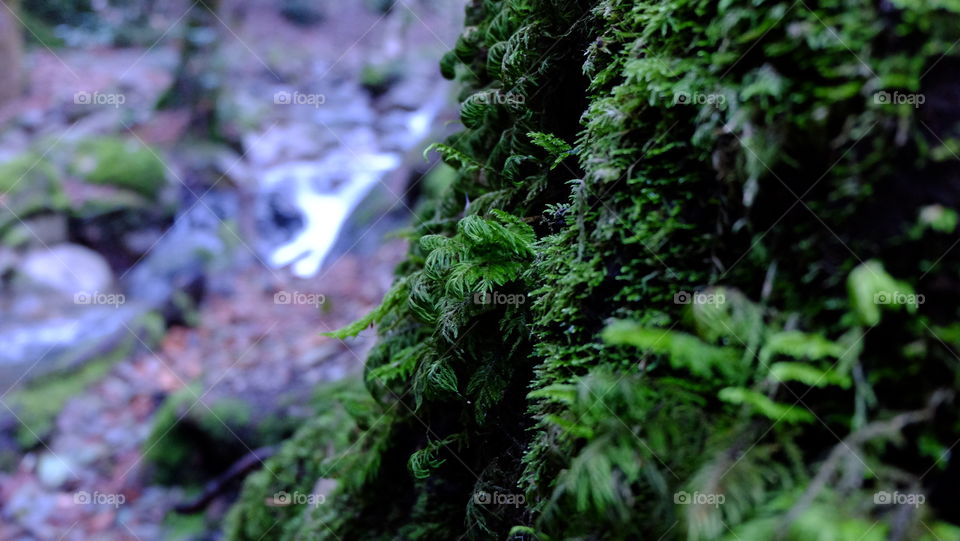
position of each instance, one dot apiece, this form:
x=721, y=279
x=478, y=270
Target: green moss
x=195, y=436
x=170, y=454
x=618, y=157
x=184, y=527
x=326, y=446
x=438, y=180
x=123, y=163
x=28, y=185
x=378, y=78
x=38, y=405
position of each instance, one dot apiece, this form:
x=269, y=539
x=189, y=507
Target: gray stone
x=68, y=268
x=54, y=470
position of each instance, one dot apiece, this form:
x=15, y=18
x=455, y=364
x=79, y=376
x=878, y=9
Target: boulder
x=67, y=268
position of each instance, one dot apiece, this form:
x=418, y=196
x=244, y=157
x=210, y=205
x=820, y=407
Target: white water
x=325, y=205
x=326, y=191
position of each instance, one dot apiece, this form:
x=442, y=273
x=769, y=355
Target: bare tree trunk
x=11, y=49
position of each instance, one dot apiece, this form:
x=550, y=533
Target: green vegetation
x=28, y=185
x=38, y=405
x=328, y=445
x=122, y=163
x=730, y=227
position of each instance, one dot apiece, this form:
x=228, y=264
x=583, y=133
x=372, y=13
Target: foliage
x=702, y=219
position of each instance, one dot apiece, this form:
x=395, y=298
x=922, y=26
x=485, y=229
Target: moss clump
x=378, y=78
x=123, y=163
x=38, y=404
x=196, y=436
x=710, y=211
x=326, y=446
x=28, y=185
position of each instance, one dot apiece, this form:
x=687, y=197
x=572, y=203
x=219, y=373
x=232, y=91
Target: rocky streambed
x=143, y=270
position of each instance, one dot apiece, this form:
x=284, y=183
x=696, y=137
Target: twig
x=869, y=432
x=218, y=485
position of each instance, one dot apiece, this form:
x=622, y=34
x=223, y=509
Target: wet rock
x=198, y=245
x=40, y=230
x=55, y=470
x=66, y=338
x=8, y=261
x=68, y=268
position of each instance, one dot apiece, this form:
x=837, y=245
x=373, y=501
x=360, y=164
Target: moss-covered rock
x=377, y=78
x=124, y=163
x=28, y=185
x=38, y=404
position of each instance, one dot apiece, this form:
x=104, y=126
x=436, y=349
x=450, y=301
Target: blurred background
x=190, y=193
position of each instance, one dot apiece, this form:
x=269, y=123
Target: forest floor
x=239, y=338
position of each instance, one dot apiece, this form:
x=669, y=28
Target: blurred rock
x=68, y=268
x=28, y=186
x=54, y=470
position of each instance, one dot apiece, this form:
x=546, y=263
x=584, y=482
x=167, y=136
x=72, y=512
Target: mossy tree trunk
x=722, y=235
